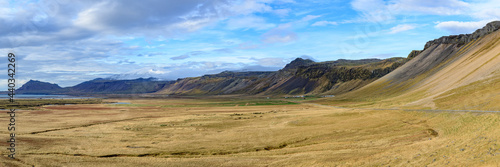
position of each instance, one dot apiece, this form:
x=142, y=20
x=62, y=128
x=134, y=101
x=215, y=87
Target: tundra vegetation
x=252, y=131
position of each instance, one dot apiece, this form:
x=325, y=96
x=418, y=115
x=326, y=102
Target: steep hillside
x=298, y=77
x=223, y=83
x=452, y=72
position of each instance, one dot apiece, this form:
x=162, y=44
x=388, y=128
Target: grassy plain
x=30, y=103
x=248, y=132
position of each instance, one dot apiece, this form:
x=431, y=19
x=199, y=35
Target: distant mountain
x=38, y=87
x=149, y=72
x=96, y=86
x=109, y=86
x=301, y=76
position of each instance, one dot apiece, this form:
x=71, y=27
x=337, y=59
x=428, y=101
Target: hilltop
x=38, y=87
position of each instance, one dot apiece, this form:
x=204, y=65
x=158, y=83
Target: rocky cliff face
x=414, y=53
x=465, y=38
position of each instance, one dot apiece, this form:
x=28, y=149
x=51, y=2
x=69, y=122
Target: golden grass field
x=248, y=132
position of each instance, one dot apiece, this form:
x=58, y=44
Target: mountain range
x=459, y=69
x=301, y=76
x=96, y=86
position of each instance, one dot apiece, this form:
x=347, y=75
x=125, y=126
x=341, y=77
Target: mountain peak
x=31, y=81
x=146, y=72
x=298, y=62
x=38, y=87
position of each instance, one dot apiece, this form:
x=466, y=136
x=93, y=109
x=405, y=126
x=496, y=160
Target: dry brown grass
x=147, y=134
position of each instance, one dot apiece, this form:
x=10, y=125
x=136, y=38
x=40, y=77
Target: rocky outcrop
x=414, y=53
x=465, y=38
x=298, y=62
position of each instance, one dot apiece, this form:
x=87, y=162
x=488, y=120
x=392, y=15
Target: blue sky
x=68, y=42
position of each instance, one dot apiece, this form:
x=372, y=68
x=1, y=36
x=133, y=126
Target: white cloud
x=401, y=28
x=486, y=10
x=284, y=32
x=386, y=11
x=181, y=57
x=276, y=62
x=280, y=34
x=372, y=10
x=309, y=18
x=324, y=23
x=249, y=22
x=251, y=6
x=457, y=27
x=247, y=45
x=482, y=13
x=441, y=7
x=282, y=12
x=283, y=37
x=171, y=17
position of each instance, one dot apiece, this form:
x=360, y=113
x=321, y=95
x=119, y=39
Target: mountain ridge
x=439, y=76
x=465, y=38
x=300, y=76
x=96, y=86
x=393, y=78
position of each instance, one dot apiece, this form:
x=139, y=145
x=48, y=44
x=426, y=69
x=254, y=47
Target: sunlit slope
x=455, y=72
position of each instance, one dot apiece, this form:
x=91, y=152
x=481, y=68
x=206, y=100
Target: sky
x=71, y=41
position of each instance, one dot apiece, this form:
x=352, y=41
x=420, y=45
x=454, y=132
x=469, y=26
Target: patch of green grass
x=28, y=103
x=134, y=105
x=235, y=103
x=301, y=99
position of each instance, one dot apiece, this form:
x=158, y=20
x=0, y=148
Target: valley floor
x=248, y=132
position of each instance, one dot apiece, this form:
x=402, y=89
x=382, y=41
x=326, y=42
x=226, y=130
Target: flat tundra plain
x=247, y=132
